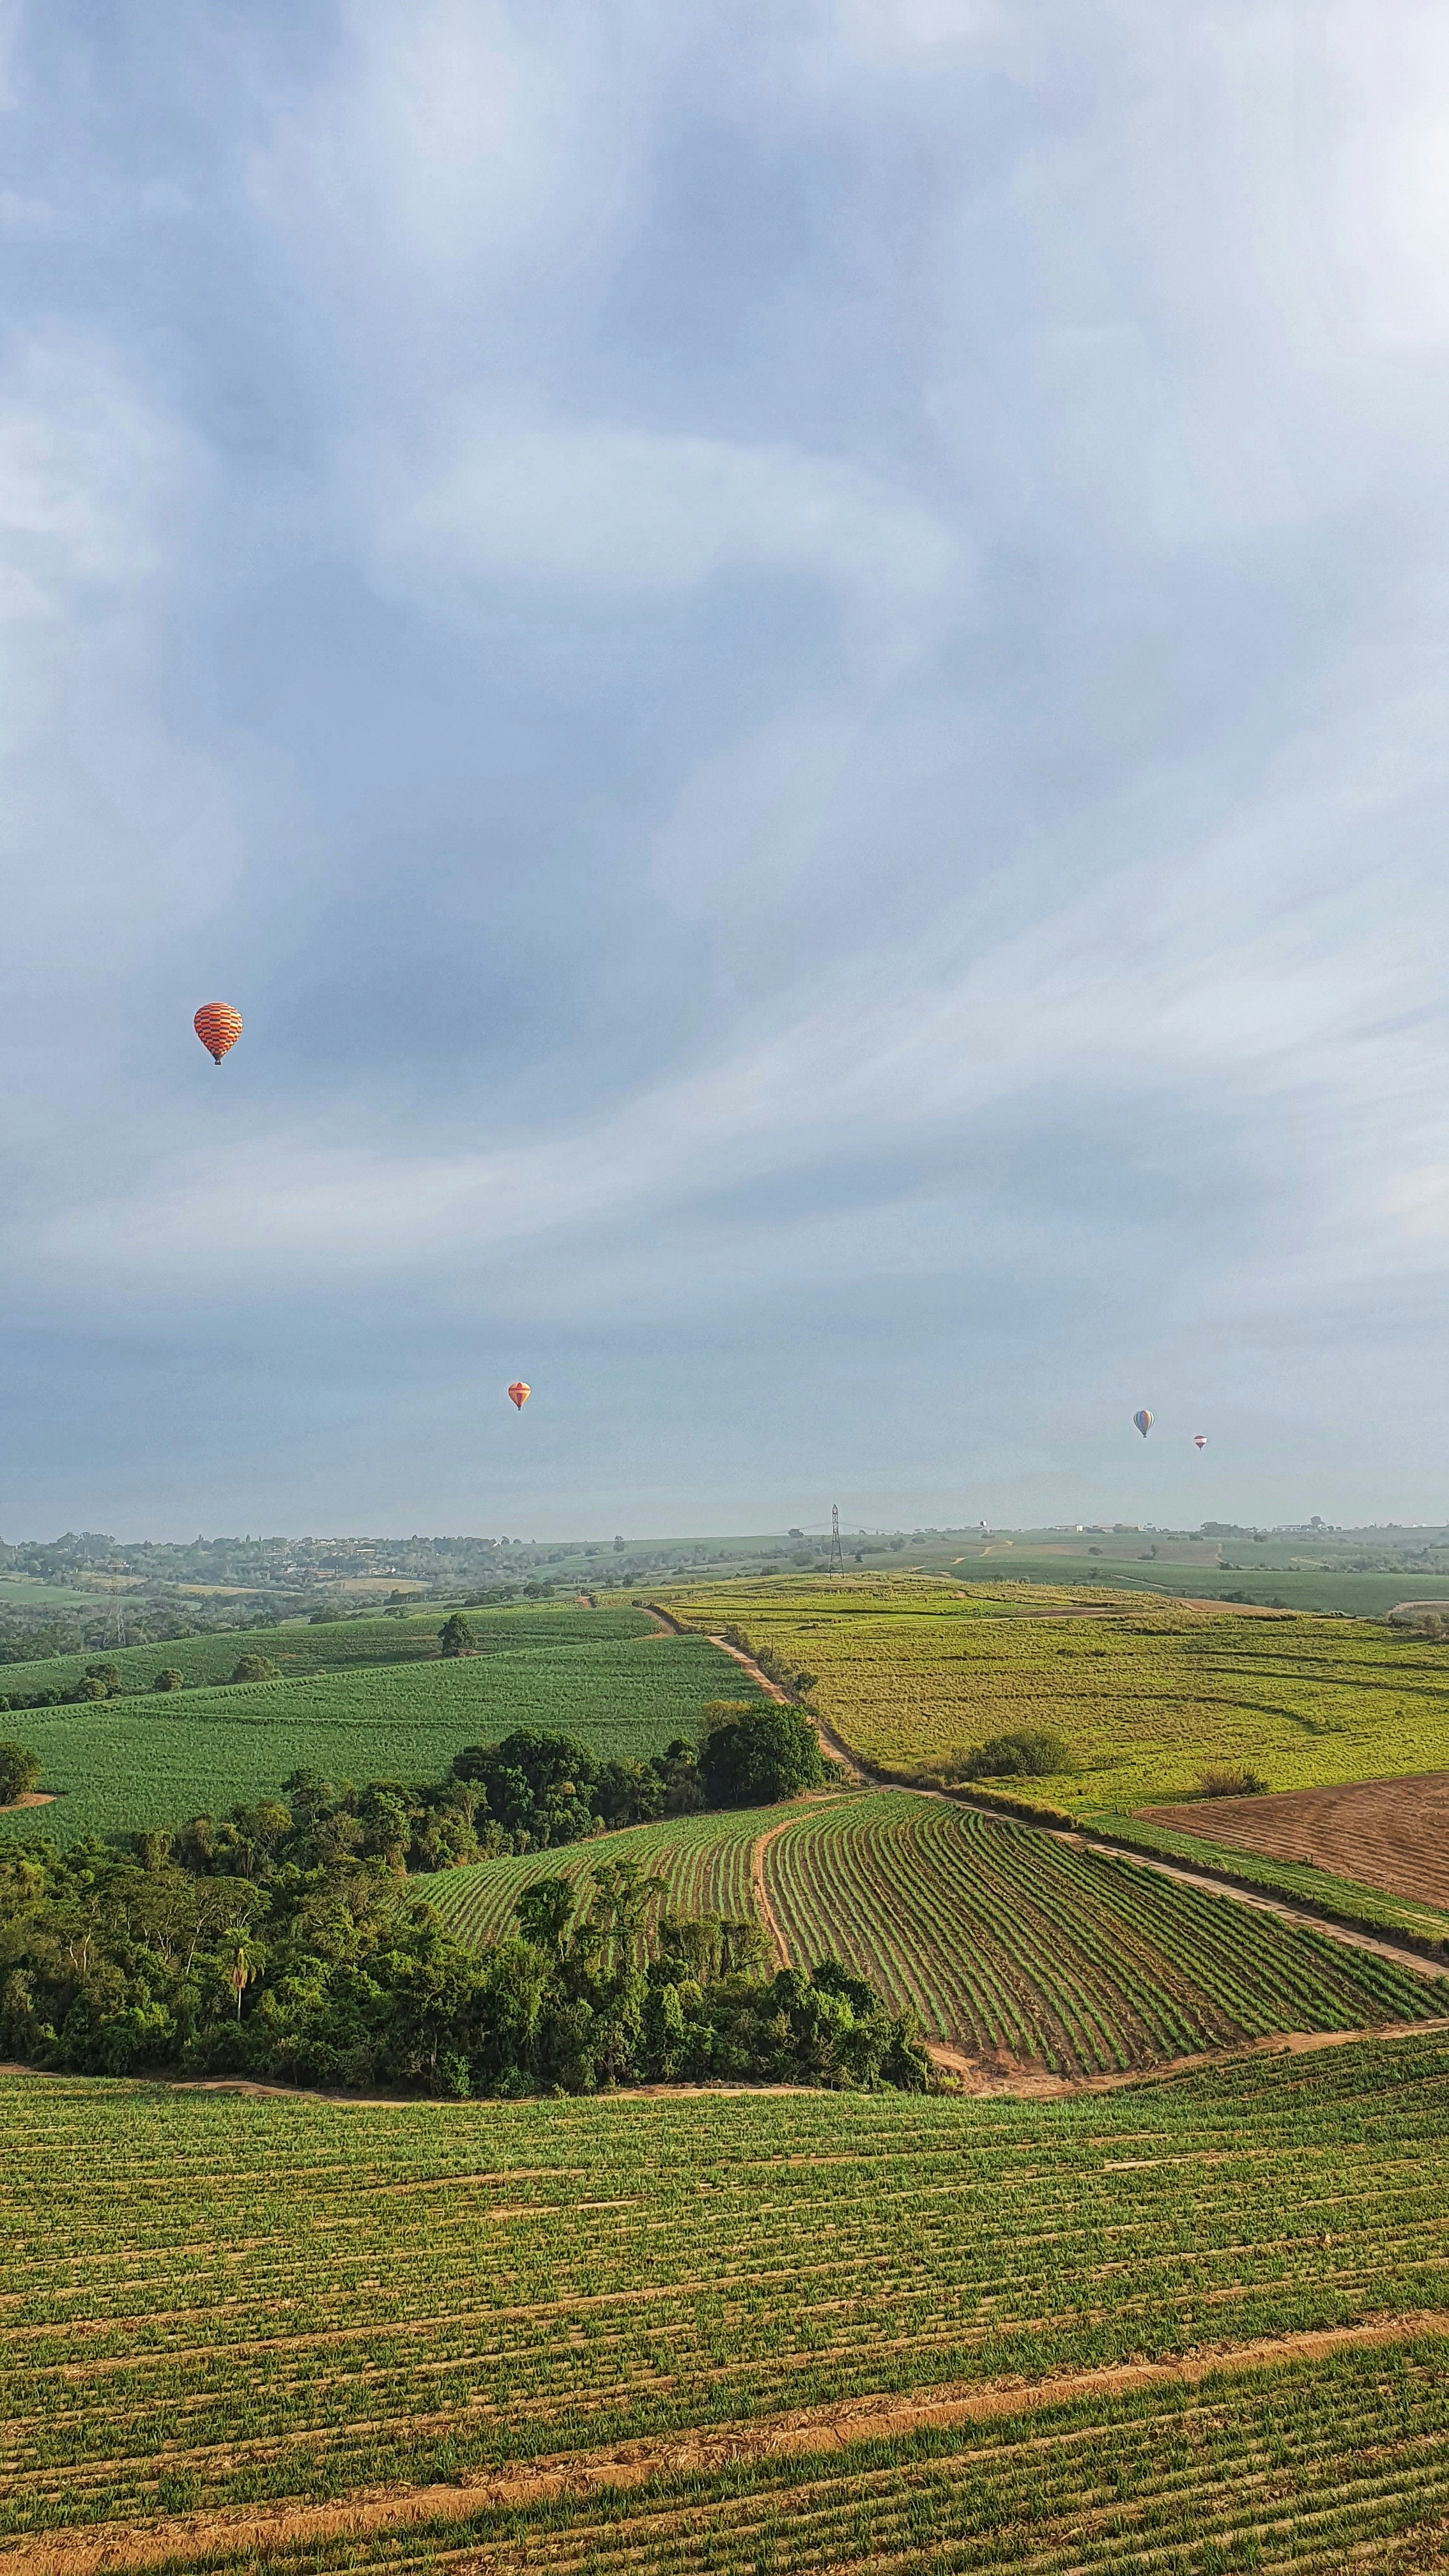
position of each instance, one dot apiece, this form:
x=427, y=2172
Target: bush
x=755, y=1752
x=1241, y=1783
x=108, y=1677
x=254, y=1668
x=169, y=1680
x=1028, y=1754
x=19, y=1772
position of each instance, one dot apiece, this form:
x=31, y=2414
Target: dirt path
x=110, y=2549
x=760, y=1893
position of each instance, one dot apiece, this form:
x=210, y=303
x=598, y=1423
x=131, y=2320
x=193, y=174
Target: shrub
x=1028, y=1754
x=169, y=1680
x=19, y=1772
x=254, y=1668
x=108, y=1677
x=91, y=1687
x=1226, y=1783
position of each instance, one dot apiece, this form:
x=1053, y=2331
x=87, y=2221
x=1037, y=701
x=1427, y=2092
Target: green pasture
x=215, y=2301
x=915, y=1673
x=1175, y=1572
x=123, y=1764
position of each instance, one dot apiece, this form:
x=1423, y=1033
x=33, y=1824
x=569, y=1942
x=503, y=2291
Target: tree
x=254, y=1668
x=108, y=1677
x=169, y=1680
x=755, y=1752
x=91, y=1687
x=455, y=1636
x=19, y=1772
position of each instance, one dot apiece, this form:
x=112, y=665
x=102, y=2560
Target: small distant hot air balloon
x=520, y=1393
x=1144, y=1421
x=218, y=1026
x=1199, y=1440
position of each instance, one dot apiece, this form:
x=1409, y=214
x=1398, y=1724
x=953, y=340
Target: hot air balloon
x=520, y=1393
x=1144, y=1421
x=218, y=1026
x=1199, y=1440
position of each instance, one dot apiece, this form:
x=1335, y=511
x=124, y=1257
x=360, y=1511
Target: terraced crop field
x=1147, y=1696
x=1009, y=1942
x=124, y=1764
x=705, y=1859
x=218, y=2305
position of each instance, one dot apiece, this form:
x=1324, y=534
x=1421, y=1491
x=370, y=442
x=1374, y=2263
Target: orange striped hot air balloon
x=520, y=1393
x=218, y=1026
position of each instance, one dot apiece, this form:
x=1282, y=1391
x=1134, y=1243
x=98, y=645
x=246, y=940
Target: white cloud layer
x=796, y=674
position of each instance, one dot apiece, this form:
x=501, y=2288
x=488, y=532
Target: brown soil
x=29, y=1798
x=1392, y=1834
x=116, y=2547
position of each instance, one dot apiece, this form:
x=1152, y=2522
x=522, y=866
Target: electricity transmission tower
x=837, y=1552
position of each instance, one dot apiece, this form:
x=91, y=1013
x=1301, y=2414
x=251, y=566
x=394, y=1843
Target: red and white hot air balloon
x=1199, y=1440
x=519, y=1393
x=218, y=1026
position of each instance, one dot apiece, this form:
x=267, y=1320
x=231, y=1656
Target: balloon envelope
x=1199, y=1440
x=218, y=1026
x=1144, y=1421
x=520, y=1393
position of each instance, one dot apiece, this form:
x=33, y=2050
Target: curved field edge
x=1006, y=1944
x=212, y=2301
x=1012, y=1945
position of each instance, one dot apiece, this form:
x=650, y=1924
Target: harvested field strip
x=706, y=1860
x=210, y=2299
x=1238, y=2466
x=1389, y=1834
x=1005, y=1939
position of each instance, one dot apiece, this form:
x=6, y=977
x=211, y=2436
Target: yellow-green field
x=914, y=1675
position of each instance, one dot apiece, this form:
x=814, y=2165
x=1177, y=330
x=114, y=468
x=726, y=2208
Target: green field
x=1005, y=1942
x=705, y=1860
x=157, y=1759
x=212, y=2300
x=334, y=1645
x=1125, y=1565
x=914, y=1675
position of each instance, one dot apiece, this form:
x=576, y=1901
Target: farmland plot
x=212, y=2300
x=1147, y=1696
x=1007, y=1940
x=122, y=1764
x=705, y=1859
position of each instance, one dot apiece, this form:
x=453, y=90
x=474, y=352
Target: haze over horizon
x=793, y=664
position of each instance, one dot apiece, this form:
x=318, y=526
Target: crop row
x=1146, y=1698
x=705, y=1860
x=210, y=2298
x=1003, y=1938
x=123, y=1764
x=1303, y=2468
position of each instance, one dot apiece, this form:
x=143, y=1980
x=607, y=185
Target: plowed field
x=1392, y=1834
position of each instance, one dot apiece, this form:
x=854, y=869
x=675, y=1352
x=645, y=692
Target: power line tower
x=837, y=1552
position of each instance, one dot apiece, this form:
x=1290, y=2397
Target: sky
x=792, y=660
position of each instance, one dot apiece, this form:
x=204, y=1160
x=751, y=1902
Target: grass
x=913, y=1675
x=119, y=1765
x=211, y=2300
